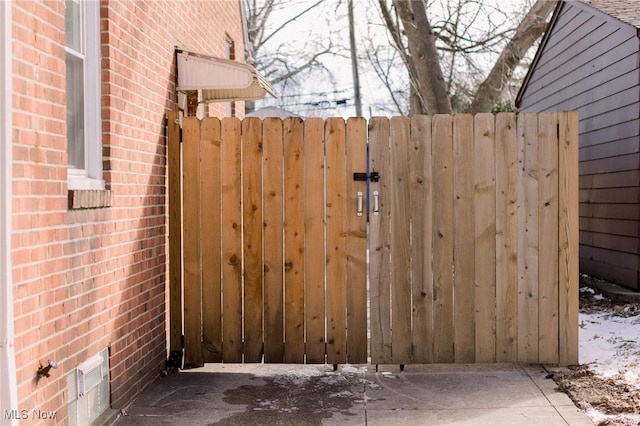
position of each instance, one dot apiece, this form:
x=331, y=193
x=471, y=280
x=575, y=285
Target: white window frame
x=91, y=176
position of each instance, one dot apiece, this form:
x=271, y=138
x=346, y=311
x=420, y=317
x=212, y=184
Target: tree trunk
x=529, y=30
x=354, y=61
x=414, y=102
x=424, y=68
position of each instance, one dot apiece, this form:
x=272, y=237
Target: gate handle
x=359, y=203
x=376, y=206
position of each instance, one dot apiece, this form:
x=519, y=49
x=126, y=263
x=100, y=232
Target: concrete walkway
x=234, y=394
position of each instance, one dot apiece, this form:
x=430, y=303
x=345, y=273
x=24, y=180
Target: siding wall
x=590, y=63
x=86, y=279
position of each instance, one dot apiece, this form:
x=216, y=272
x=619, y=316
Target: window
x=88, y=390
x=84, y=128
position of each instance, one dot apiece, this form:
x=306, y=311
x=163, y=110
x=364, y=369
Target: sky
x=321, y=94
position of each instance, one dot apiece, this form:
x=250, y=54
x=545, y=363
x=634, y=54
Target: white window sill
x=79, y=182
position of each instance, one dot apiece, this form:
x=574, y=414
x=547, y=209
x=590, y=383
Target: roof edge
x=251, y=87
x=552, y=22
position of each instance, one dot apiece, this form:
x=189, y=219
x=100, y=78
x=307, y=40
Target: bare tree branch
x=394, y=29
x=428, y=79
x=384, y=73
x=282, y=63
x=529, y=30
x=288, y=21
x=313, y=61
x=451, y=45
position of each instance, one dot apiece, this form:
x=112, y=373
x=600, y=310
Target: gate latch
x=373, y=177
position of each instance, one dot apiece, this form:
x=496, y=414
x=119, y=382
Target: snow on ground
x=610, y=346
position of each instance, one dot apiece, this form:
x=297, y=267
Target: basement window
x=88, y=389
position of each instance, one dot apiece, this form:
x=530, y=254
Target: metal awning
x=220, y=79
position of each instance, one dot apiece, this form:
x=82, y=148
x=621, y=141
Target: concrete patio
x=258, y=394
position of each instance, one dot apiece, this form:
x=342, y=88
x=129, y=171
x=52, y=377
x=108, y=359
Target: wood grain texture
x=548, y=239
x=252, y=237
x=471, y=212
x=272, y=164
x=356, y=145
x=443, y=316
x=379, y=243
x=401, y=345
x=528, y=234
x=464, y=238
x=174, y=173
x=314, y=252
x=485, y=237
x=568, y=237
x=421, y=212
x=230, y=155
x=294, y=241
x=506, y=239
x=191, y=245
x=211, y=247
x=336, y=296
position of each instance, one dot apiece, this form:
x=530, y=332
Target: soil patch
x=611, y=396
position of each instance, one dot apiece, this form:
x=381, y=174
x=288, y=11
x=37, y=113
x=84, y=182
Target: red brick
x=88, y=278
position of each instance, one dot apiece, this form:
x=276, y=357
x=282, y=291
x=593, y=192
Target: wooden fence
x=472, y=239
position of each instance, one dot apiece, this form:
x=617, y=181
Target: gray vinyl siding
x=590, y=62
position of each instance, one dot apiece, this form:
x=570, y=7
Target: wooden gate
x=431, y=239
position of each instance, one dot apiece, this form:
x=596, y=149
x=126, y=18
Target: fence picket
x=548, y=241
x=379, y=253
x=210, y=237
x=568, y=237
x=174, y=178
x=528, y=238
x=252, y=231
x=485, y=237
x=273, y=240
x=314, y=242
x=421, y=210
x=506, y=239
x=400, y=241
x=192, y=253
x=356, y=282
x=294, y=241
x=464, y=235
x=336, y=294
x=443, y=333
x=230, y=156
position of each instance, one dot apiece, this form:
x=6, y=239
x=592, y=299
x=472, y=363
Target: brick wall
x=85, y=279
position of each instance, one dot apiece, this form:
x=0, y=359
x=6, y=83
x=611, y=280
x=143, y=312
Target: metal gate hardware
x=359, y=203
x=376, y=204
x=373, y=176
